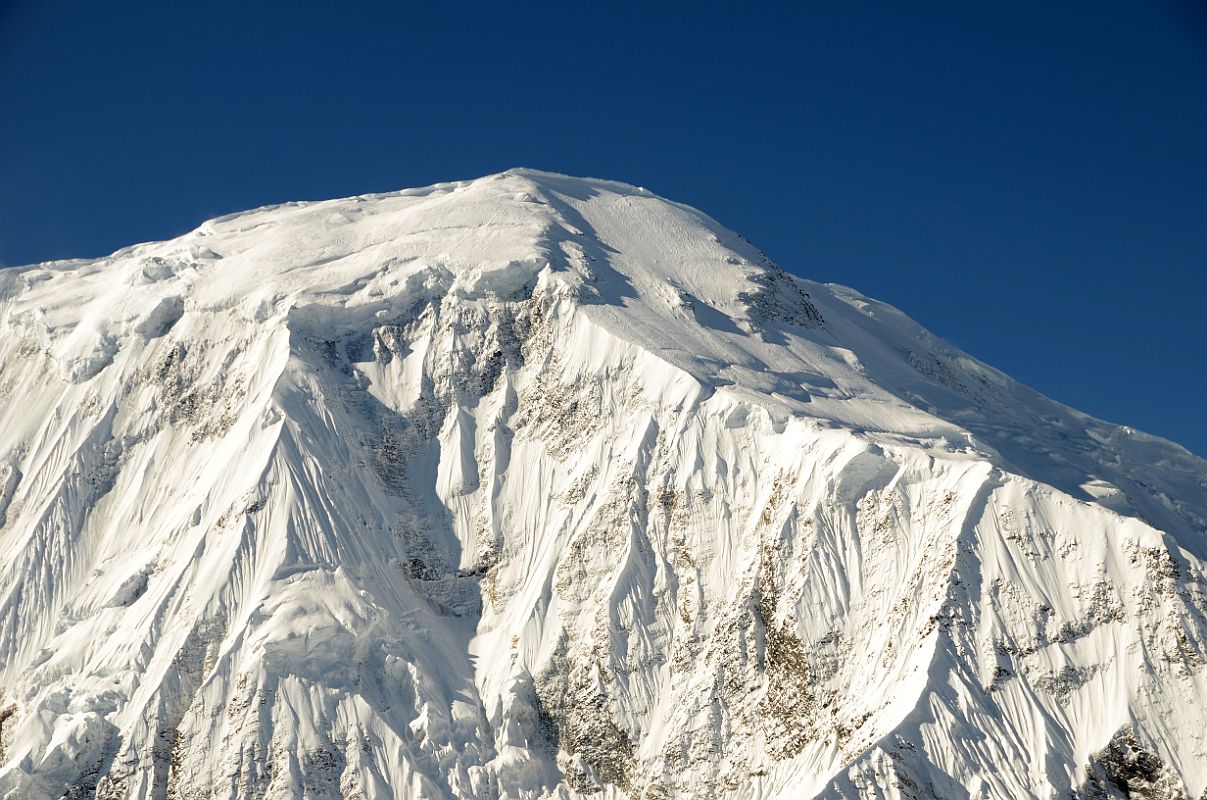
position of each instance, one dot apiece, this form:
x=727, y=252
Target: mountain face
x=533, y=486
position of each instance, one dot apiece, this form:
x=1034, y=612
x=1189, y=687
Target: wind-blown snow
x=534, y=486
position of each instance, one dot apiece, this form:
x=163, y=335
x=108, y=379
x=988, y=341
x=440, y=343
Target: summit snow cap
x=536, y=486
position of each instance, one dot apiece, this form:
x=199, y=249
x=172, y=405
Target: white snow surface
x=535, y=486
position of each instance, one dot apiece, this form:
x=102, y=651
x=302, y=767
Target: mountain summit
x=534, y=486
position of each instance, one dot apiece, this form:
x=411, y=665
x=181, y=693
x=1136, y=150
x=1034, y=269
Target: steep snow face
x=533, y=486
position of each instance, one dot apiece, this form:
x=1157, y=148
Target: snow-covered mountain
x=533, y=486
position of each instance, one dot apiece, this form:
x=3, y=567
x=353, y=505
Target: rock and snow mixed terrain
x=533, y=486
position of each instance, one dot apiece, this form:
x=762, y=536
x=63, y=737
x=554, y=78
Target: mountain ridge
x=538, y=486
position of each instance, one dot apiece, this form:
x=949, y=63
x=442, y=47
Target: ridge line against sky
x=1028, y=182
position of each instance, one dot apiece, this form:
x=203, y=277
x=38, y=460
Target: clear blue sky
x=1029, y=180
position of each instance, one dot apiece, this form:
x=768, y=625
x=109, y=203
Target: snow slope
x=533, y=486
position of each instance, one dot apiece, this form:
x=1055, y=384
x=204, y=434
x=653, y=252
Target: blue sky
x=1027, y=179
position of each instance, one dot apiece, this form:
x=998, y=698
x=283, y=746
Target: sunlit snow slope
x=533, y=486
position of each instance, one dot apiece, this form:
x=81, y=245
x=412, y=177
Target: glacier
x=534, y=486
